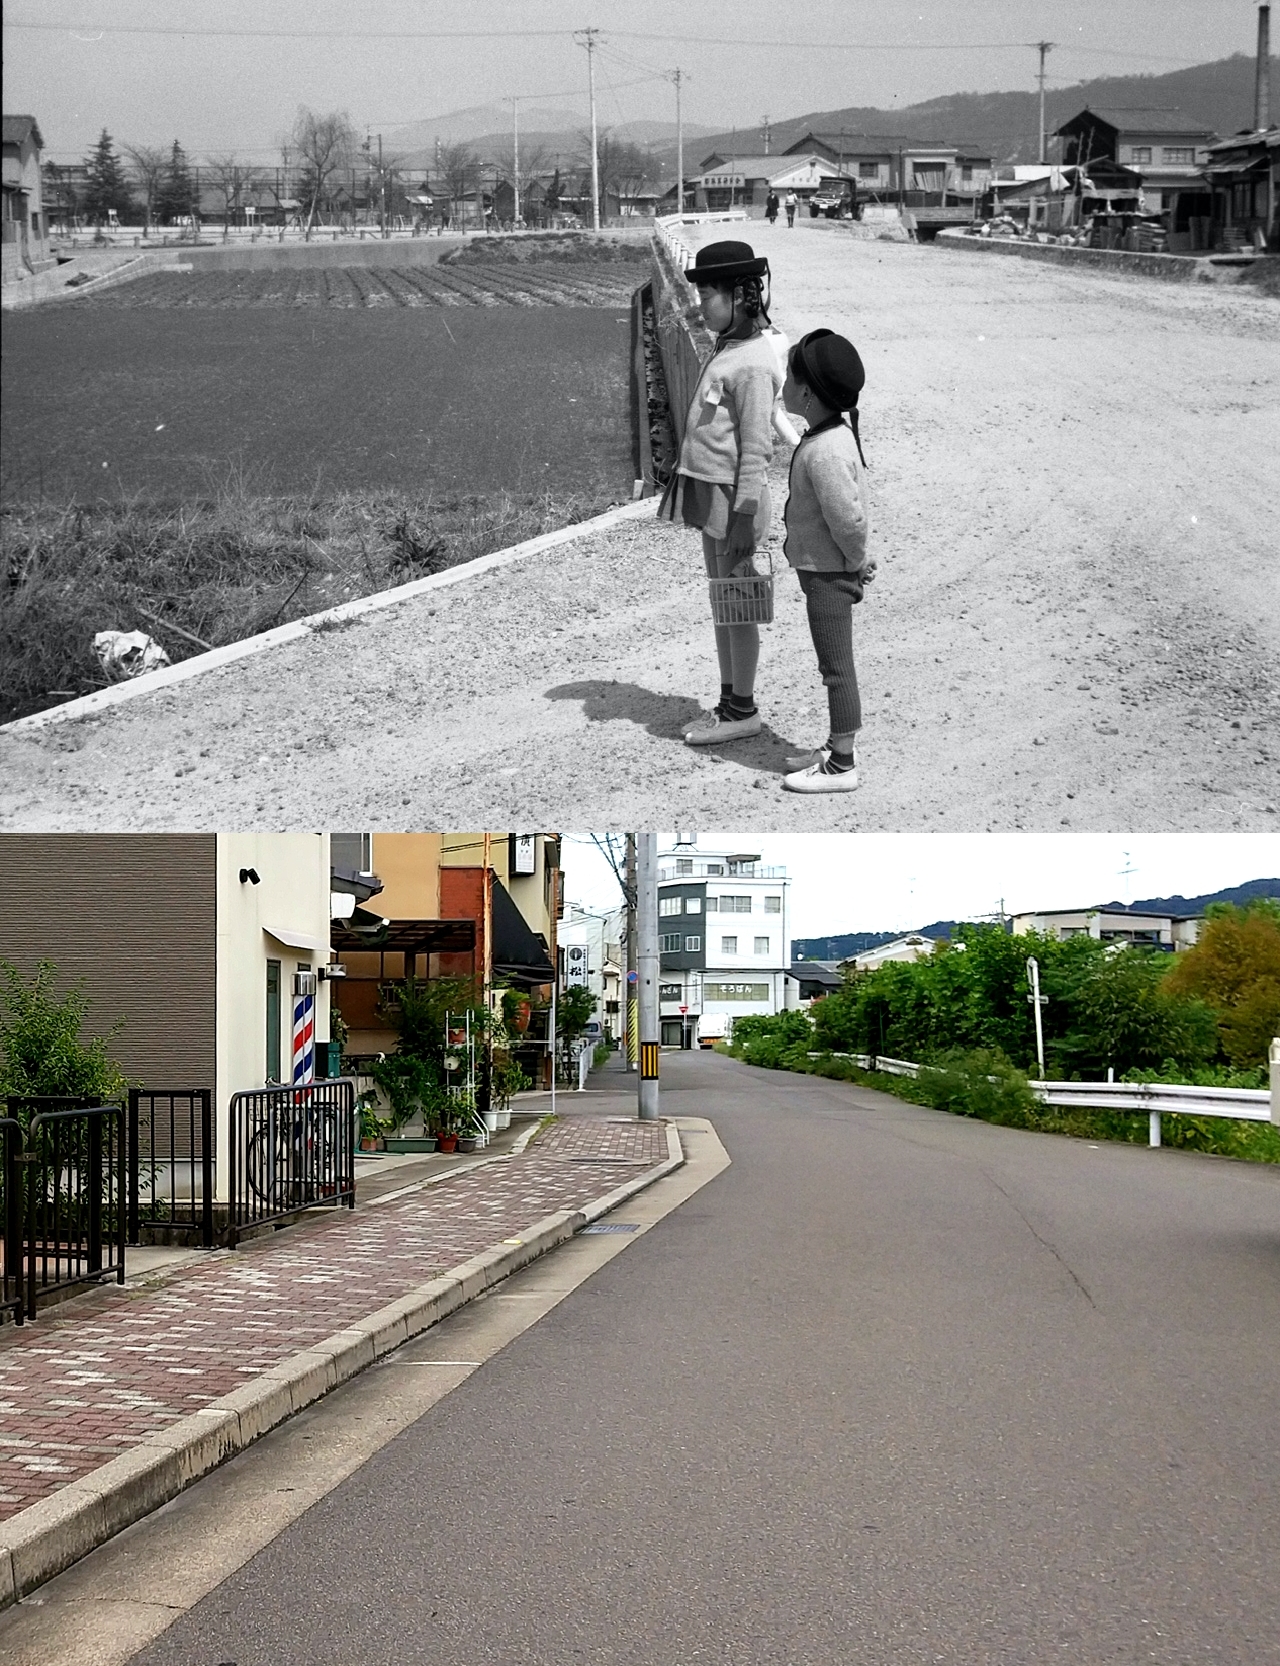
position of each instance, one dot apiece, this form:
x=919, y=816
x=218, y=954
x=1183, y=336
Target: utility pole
x=633, y=1009
x=765, y=130
x=382, y=188
x=515, y=157
x=1262, y=75
x=1044, y=47
x=648, y=966
x=587, y=38
x=678, y=76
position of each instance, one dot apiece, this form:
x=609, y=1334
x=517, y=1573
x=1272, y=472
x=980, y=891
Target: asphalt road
x=893, y=1388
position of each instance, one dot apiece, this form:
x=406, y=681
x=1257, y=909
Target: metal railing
x=290, y=1149
x=171, y=1161
x=1158, y=1099
x=64, y=1197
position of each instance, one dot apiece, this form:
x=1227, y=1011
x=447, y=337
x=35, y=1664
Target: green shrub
x=41, y=1048
x=981, y=1084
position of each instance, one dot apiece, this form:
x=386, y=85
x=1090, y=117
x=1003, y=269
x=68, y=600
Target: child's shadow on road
x=665, y=715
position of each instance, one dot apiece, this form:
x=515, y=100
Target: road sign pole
x=647, y=968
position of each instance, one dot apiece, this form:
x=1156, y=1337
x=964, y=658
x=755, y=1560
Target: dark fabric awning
x=519, y=954
x=405, y=936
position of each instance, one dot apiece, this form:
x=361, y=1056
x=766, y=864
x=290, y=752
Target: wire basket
x=743, y=598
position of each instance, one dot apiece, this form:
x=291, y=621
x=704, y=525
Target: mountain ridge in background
x=848, y=943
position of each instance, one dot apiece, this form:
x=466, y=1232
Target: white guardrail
x=667, y=225
x=1158, y=1099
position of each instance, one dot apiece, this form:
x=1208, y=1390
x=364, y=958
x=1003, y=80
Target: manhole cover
x=613, y=1226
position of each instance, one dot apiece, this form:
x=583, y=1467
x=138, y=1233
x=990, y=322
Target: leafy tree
x=149, y=163
x=573, y=1012
x=106, y=187
x=1235, y=971
x=42, y=1050
x=176, y=195
x=234, y=182
x=459, y=170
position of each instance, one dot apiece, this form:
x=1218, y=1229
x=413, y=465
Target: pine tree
x=176, y=195
x=106, y=187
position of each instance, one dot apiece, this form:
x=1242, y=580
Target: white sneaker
x=816, y=779
x=715, y=729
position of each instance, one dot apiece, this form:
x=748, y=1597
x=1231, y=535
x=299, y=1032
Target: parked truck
x=713, y=1027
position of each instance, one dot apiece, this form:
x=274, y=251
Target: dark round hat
x=829, y=365
x=725, y=262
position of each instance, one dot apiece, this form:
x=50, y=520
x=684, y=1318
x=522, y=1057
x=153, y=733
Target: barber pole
x=304, y=1027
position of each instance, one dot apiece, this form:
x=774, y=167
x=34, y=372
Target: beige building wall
x=408, y=864
x=284, y=917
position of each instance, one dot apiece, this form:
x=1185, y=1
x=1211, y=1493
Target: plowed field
x=475, y=284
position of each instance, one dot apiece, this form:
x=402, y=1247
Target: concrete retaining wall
x=1172, y=268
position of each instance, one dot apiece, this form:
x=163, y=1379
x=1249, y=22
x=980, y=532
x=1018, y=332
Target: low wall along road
x=1073, y=624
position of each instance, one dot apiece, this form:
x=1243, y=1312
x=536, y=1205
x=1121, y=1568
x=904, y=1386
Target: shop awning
x=519, y=954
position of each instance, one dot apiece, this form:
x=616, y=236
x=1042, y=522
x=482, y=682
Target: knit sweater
x=826, y=515
x=728, y=437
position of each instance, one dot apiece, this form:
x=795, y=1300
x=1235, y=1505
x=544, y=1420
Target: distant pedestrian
x=790, y=203
x=771, y=208
x=721, y=481
x=826, y=543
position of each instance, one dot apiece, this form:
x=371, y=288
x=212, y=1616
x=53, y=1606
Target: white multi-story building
x=723, y=933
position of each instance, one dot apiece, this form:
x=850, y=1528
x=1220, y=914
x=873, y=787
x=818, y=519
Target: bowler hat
x=829, y=365
x=726, y=262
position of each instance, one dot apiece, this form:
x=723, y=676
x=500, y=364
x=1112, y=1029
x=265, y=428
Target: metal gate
x=291, y=1149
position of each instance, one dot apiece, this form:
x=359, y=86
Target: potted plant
x=371, y=1124
x=515, y=1010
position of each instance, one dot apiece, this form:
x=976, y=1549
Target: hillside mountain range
x=1005, y=125
x=553, y=132
x=849, y=943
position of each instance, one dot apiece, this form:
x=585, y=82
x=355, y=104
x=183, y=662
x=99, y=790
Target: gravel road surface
x=1075, y=623
x=894, y=1388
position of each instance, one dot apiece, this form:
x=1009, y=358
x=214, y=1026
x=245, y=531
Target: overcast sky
x=897, y=881
x=238, y=88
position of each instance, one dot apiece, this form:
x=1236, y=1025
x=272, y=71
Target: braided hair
x=752, y=294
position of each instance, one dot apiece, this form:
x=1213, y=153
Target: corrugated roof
x=1141, y=121
x=16, y=129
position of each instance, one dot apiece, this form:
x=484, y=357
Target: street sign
x=684, y=1009
x=633, y=977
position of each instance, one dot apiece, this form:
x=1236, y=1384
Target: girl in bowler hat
x=826, y=542
x=721, y=481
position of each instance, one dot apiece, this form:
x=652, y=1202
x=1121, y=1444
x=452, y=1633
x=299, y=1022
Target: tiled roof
x=1141, y=121
x=17, y=128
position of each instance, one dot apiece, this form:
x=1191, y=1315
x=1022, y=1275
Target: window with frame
x=773, y=905
x=669, y=905
x=1179, y=153
x=728, y=945
x=715, y=868
x=734, y=905
x=868, y=170
x=1141, y=153
x=693, y=905
x=684, y=864
x=692, y=945
x=670, y=943
x=762, y=945
x=966, y=173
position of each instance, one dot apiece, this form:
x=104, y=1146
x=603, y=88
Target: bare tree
x=234, y=181
x=149, y=165
x=459, y=168
x=323, y=144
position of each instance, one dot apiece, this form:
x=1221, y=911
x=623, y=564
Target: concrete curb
x=41, y=1541
x=101, y=699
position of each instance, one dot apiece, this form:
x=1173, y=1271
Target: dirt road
x=1075, y=623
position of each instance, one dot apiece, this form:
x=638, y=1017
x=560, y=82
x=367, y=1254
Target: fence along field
x=206, y=454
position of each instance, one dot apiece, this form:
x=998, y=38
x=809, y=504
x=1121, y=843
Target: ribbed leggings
x=829, y=598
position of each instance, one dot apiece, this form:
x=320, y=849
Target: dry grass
x=223, y=568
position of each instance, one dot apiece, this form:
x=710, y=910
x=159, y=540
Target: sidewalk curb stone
x=49, y=1536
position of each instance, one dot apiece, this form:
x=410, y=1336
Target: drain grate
x=613, y=1226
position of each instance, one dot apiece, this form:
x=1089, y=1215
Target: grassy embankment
x=986, y=1086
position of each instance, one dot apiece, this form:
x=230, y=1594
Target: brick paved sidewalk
x=79, y=1389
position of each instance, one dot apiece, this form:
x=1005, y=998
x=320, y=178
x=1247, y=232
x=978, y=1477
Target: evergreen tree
x=106, y=187
x=176, y=193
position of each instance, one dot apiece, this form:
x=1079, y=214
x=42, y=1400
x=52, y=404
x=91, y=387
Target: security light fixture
x=337, y=970
x=249, y=876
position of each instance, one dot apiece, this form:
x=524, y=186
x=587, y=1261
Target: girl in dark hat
x=826, y=521
x=721, y=481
